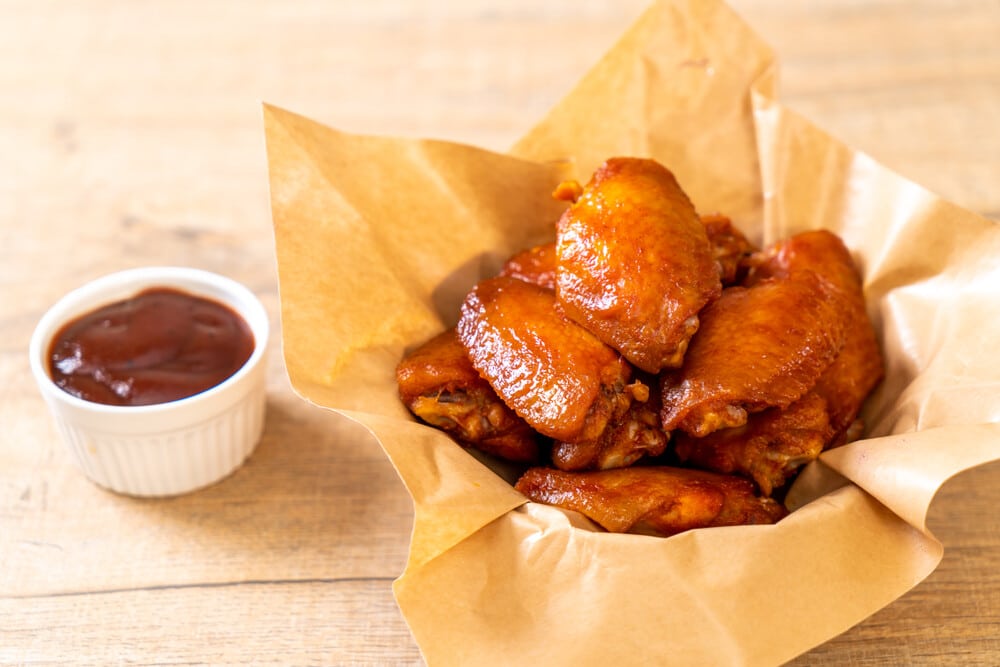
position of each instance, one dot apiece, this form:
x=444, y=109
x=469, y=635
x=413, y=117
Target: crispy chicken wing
x=758, y=347
x=769, y=448
x=651, y=500
x=552, y=372
x=859, y=366
x=634, y=262
x=635, y=434
x=439, y=385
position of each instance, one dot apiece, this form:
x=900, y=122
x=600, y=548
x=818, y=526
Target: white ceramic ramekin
x=167, y=448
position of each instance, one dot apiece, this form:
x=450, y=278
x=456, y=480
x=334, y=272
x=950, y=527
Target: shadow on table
x=318, y=498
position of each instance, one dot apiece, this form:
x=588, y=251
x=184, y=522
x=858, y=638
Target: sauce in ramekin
x=161, y=345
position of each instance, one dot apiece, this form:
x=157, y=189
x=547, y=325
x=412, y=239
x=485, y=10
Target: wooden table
x=130, y=134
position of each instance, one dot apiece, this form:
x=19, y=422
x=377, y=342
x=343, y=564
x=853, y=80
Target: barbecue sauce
x=161, y=345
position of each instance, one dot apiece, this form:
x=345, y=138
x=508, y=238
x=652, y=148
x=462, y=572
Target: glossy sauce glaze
x=158, y=346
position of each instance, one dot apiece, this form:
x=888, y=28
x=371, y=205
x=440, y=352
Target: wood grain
x=318, y=622
x=130, y=134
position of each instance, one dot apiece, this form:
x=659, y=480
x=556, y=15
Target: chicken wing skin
x=535, y=265
x=758, y=347
x=634, y=262
x=624, y=441
x=552, y=372
x=769, y=448
x=439, y=385
x=859, y=366
x=651, y=500
x=730, y=248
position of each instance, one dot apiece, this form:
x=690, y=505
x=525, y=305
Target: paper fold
x=904, y=472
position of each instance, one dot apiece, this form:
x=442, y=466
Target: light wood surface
x=130, y=134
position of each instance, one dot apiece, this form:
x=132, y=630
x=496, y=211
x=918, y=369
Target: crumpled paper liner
x=379, y=239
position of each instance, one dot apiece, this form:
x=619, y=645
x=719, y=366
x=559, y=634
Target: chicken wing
x=634, y=262
x=624, y=441
x=439, y=385
x=859, y=366
x=758, y=347
x=651, y=500
x=769, y=448
x=552, y=372
x=535, y=265
x=730, y=247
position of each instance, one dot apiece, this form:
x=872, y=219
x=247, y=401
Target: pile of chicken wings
x=653, y=369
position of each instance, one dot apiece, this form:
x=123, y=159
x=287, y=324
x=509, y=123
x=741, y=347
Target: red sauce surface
x=158, y=346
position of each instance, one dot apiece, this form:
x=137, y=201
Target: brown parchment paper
x=378, y=240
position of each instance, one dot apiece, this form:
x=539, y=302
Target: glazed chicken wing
x=730, y=247
x=758, y=347
x=439, y=385
x=553, y=373
x=651, y=500
x=769, y=448
x=624, y=441
x=859, y=366
x=634, y=262
x=535, y=265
